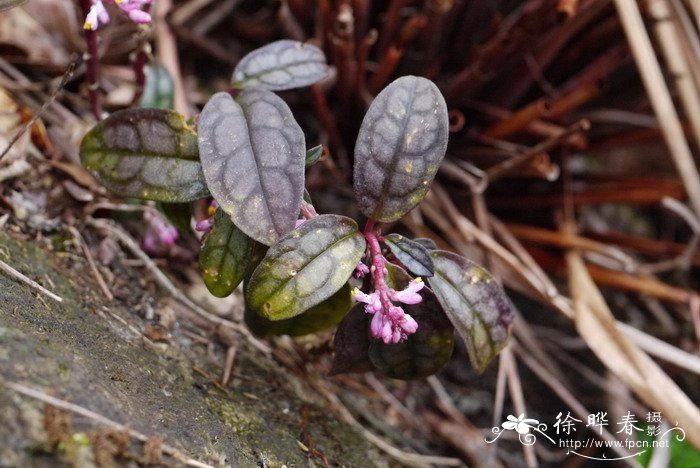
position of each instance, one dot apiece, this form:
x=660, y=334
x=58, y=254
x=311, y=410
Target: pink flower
x=98, y=14
x=372, y=301
x=160, y=234
x=206, y=224
x=409, y=295
x=360, y=270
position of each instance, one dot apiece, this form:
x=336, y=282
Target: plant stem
x=92, y=63
x=377, y=268
x=307, y=210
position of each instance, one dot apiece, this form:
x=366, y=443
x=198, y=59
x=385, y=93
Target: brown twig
x=8, y=270
x=98, y=418
x=95, y=272
x=511, y=164
x=64, y=79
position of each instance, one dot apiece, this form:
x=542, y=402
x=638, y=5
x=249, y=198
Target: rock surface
x=84, y=351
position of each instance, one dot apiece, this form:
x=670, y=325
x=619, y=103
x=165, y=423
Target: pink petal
x=396, y=313
x=387, y=332
x=408, y=324
x=139, y=16
x=204, y=225
x=377, y=325
x=410, y=294
x=359, y=296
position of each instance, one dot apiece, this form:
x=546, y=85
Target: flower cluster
x=98, y=14
x=160, y=234
x=389, y=321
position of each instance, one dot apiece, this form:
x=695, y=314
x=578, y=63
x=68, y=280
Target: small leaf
x=284, y=64
x=179, y=214
x=413, y=255
x=158, y=91
x=475, y=303
x=306, y=267
x=145, y=153
x=253, y=160
x=401, y=143
x=307, y=197
x=224, y=256
x=313, y=155
x=321, y=316
x=7, y=4
x=429, y=244
x=423, y=353
x=351, y=343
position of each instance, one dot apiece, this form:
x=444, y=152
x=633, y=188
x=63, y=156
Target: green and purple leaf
x=313, y=155
x=305, y=267
x=414, y=257
x=158, y=90
x=475, y=303
x=224, y=256
x=281, y=65
x=145, y=153
x=253, y=160
x=321, y=316
x=351, y=343
x=401, y=143
x=429, y=244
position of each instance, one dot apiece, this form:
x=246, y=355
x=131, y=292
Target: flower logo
x=522, y=426
x=519, y=424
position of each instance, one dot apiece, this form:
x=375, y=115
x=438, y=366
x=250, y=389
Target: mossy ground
x=88, y=357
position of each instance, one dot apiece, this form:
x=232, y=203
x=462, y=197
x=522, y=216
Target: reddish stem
x=139, y=75
x=92, y=63
x=378, y=265
x=307, y=210
x=140, y=64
